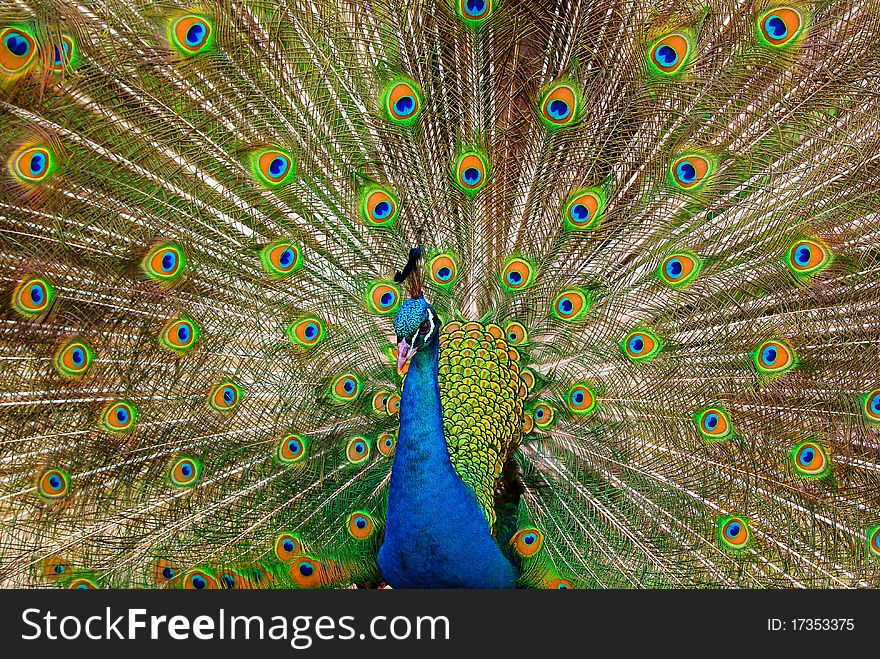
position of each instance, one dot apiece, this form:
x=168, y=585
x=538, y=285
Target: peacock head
x=416, y=325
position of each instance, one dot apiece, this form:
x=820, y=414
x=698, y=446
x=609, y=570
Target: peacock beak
x=404, y=354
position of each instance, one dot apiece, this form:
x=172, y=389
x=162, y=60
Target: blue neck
x=436, y=534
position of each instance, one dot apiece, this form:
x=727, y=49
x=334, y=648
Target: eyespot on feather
x=82, y=584
x=33, y=296
x=307, y=572
x=191, y=34
x=691, y=171
x=734, y=532
x=198, y=579
x=307, y=332
x=358, y=450
x=345, y=388
x=386, y=443
x=73, y=359
x=378, y=206
x=164, y=263
x=471, y=171
x=443, y=269
x=64, y=55
x=774, y=358
x=527, y=542
x=871, y=406
x=713, y=423
x=180, y=335
x=54, y=567
x=31, y=165
x=583, y=210
x=780, y=27
x=272, y=167
x=18, y=50
x=543, y=415
x=392, y=405
x=281, y=259
x=360, y=525
x=474, y=12
x=560, y=105
x=517, y=274
x=808, y=257
x=641, y=345
x=515, y=333
x=873, y=538
x=581, y=399
x=383, y=298
x=679, y=269
x=810, y=460
x=164, y=571
x=225, y=396
x=292, y=449
x=185, y=472
x=402, y=101
x=119, y=417
x=287, y=547
x=669, y=55
x=570, y=305
x=53, y=484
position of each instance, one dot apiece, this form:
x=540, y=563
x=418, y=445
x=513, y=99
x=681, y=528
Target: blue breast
x=436, y=534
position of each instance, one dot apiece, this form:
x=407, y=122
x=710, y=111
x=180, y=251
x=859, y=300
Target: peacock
x=440, y=293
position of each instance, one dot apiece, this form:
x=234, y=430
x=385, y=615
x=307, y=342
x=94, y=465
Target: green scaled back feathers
x=658, y=221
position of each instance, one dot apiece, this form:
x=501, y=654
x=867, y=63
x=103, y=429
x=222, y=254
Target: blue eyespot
x=349, y=385
x=768, y=355
x=472, y=175
x=444, y=273
x=802, y=255
x=578, y=397
x=580, y=213
x=875, y=403
x=566, y=305
x=294, y=446
x=169, y=260
x=733, y=530
x=539, y=413
x=78, y=356
x=382, y=209
x=228, y=395
x=199, y=582
x=806, y=456
x=475, y=7
x=404, y=106
x=666, y=55
x=636, y=344
x=55, y=482
x=311, y=331
x=686, y=171
x=168, y=572
x=195, y=33
x=286, y=257
x=513, y=277
x=186, y=469
x=306, y=569
x=360, y=522
x=17, y=45
x=288, y=545
x=37, y=164
x=529, y=538
x=122, y=414
x=59, y=58
x=674, y=268
x=278, y=166
x=37, y=294
x=776, y=27
x=228, y=581
x=359, y=447
x=711, y=421
x=183, y=332
x=558, y=109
